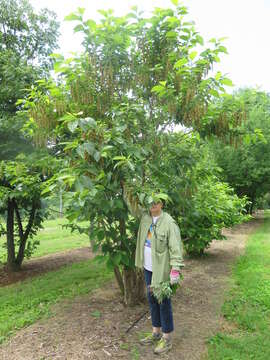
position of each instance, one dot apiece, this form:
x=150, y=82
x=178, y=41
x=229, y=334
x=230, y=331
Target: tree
x=111, y=114
x=23, y=206
x=27, y=39
x=245, y=163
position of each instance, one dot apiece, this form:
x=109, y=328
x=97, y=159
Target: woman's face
x=155, y=208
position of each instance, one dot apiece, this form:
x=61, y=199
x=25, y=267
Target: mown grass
x=23, y=303
x=53, y=238
x=247, y=306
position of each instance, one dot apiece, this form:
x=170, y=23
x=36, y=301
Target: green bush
x=211, y=207
x=201, y=203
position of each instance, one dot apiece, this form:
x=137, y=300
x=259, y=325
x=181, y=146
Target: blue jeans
x=161, y=314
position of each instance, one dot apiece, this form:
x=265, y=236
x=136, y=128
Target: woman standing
x=159, y=254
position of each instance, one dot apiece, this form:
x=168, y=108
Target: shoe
x=150, y=339
x=163, y=346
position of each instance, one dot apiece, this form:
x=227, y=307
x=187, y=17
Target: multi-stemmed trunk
x=14, y=261
x=130, y=280
x=134, y=286
x=131, y=284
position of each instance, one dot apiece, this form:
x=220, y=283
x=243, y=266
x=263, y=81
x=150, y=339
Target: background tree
x=111, y=113
x=245, y=163
x=27, y=39
x=22, y=204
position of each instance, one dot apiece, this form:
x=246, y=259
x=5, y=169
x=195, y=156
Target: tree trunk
x=253, y=199
x=61, y=203
x=119, y=279
x=130, y=281
x=134, y=289
x=11, y=260
x=92, y=241
x=24, y=237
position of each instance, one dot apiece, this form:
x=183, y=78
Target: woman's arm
x=132, y=202
x=175, y=247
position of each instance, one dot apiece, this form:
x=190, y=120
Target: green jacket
x=166, y=244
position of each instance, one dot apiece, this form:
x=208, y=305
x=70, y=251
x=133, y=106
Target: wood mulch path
x=94, y=326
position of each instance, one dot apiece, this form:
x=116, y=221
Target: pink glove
x=174, y=277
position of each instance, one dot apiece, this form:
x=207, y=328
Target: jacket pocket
x=161, y=242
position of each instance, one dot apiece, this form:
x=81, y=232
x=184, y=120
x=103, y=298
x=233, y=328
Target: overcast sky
x=246, y=24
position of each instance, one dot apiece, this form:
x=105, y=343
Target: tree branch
x=20, y=255
x=19, y=221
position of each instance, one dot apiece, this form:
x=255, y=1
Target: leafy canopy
x=26, y=40
x=111, y=113
x=246, y=164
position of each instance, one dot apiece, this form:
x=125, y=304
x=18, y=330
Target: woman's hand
x=174, y=276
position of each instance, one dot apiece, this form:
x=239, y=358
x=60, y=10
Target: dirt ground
x=34, y=267
x=94, y=326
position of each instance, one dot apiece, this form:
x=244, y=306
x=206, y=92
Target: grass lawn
x=53, y=238
x=247, y=306
x=23, y=303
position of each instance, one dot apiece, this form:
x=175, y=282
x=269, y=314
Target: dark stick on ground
x=136, y=321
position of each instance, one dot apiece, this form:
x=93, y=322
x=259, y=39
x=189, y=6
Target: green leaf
x=223, y=49
x=56, y=56
x=80, y=151
x=116, y=158
x=87, y=123
x=72, y=17
x=72, y=125
x=130, y=165
x=157, y=89
x=227, y=82
x=214, y=92
x=46, y=191
x=86, y=182
x=91, y=24
x=116, y=258
x=125, y=259
x=81, y=10
x=193, y=54
x=171, y=34
x=110, y=265
x=200, y=40
x=100, y=235
x=97, y=156
x=78, y=28
x=218, y=75
x=180, y=63
x=105, y=150
x=90, y=148
x=175, y=2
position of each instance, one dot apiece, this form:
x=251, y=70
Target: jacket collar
x=160, y=216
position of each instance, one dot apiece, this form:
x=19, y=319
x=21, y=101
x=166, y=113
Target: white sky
x=246, y=24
